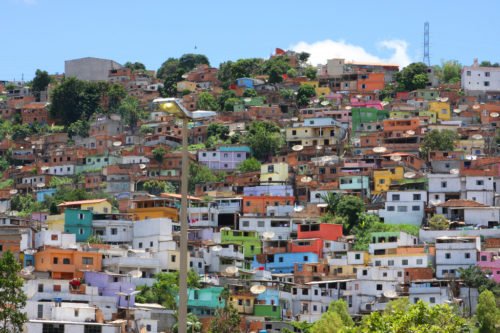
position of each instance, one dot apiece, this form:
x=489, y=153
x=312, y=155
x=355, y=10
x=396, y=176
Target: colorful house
x=489, y=261
x=99, y=206
x=441, y=109
x=204, y=302
x=283, y=262
x=150, y=208
x=383, y=178
x=267, y=305
x=67, y=264
x=248, y=239
x=257, y=205
x=274, y=172
x=366, y=115
x=79, y=223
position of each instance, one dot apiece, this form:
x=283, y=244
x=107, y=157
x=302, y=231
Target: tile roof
x=80, y=202
x=461, y=203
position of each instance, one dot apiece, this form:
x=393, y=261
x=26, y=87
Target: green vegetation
x=136, y=66
x=249, y=165
x=6, y=183
x=159, y=186
x=343, y=209
x=439, y=222
x=159, y=154
x=172, y=70
x=226, y=319
x=206, y=101
x=264, y=138
x=412, y=77
x=79, y=128
x=439, y=140
x=199, y=174
x=487, y=313
x=304, y=94
x=336, y=319
x=12, y=297
x=449, y=72
x=40, y=83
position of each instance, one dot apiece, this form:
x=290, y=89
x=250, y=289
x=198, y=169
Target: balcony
x=134, y=262
x=424, y=290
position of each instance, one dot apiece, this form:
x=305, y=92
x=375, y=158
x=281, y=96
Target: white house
x=477, y=79
x=453, y=253
x=280, y=226
x=404, y=207
x=444, y=186
x=113, y=231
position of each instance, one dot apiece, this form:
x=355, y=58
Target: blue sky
x=44, y=33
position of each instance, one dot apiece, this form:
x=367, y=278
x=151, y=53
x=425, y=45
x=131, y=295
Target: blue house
x=78, y=222
x=204, y=302
x=41, y=194
x=283, y=262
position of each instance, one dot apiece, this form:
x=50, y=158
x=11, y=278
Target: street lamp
x=174, y=107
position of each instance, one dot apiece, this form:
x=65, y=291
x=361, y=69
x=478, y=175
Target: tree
x=332, y=200
x=264, y=138
x=115, y=93
x=487, y=313
x=230, y=103
x=229, y=71
x=417, y=318
x=12, y=297
x=474, y=277
x=159, y=186
x=159, y=154
x=450, y=71
x=487, y=63
x=74, y=99
x=310, y=72
x=199, y=174
x=292, y=72
x=439, y=222
x=130, y=112
x=79, y=128
x=334, y=320
x=193, y=324
x=218, y=130
x=304, y=94
x=287, y=94
x=249, y=165
x=412, y=77
x=223, y=97
x=168, y=68
x=136, y=66
x=350, y=206
x=206, y=101
x=40, y=82
x=443, y=140
x=250, y=92
x=190, y=60
x=275, y=68
x=20, y=132
x=227, y=319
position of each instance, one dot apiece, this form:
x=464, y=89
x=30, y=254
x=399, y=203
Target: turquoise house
x=204, y=302
x=355, y=184
x=78, y=222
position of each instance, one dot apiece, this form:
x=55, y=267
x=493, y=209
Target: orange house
x=259, y=204
x=67, y=264
x=324, y=231
x=314, y=245
x=371, y=82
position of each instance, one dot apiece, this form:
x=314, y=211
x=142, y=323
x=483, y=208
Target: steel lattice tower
x=427, y=58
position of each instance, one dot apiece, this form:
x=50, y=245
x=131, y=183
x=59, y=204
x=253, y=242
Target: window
x=40, y=311
x=415, y=299
x=40, y=288
x=66, y=261
x=56, y=287
x=148, y=328
x=467, y=255
x=400, y=274
x=151, y=244
x=260, y=224
x=54, y=237
x=294, y=132
x=357, y=256
x=92, y=329
x=447, y=255
x=420, y=261
x=379, y=287
x=378, y=263
x=87, y=261
x=479, y=182
x=487, y=74
x=81, y=216
x=140, y=245
x=172, y=258
x=80, y=231
x=363, y=86
x=114, y=231
x=416, y=197
x=306, y=258
x=381, y=181
x=55, y=261
x=390, y=208
x=390, y=262
x=415, y=208
x=404, y=262
x=402, y=209
x=432, y=300
x=483, y=258
x=444, y=184
x=384, y=274
x=245, y=223
x=280, y=259
x=486, y=83
x=365, y=272
x=468, y=73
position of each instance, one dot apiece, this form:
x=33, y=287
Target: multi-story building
x=404, y=207
x=315, y=131
x=453, y=253
x=477, y=80
x=226, y=158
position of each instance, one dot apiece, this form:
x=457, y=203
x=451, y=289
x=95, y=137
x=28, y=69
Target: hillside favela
x=278, y=192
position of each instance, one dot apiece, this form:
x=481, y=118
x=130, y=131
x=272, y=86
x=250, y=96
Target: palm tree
x=331, y=199
x=193, y=324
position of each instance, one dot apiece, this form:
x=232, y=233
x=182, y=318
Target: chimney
x=476, y=63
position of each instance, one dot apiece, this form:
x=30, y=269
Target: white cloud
x=321, y=51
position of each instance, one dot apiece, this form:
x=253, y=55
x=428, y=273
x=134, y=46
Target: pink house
x=490, y=260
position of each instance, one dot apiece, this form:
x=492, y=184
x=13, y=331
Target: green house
x=96, y=162
x=366, y=115
x=78, y=222
x=250, y=241
x=204, y=302
x=267, y=310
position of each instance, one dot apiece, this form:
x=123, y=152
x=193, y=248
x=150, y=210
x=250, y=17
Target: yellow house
x=55, y=222
x=442, y=109
x=151, y=208
x=98, y=206
x=430, y=114
x=383, y=178
x=274, y=172
x=243, y=302
x=472, y=147
x=320, y=91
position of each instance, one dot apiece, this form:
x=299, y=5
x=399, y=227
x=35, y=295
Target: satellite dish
x=444, y=99
x=410, y=132
x=319, y=147
x=216, y=248
x=384, y=103
x=232, y=270
x=19, y=167
x=44, y=168
x=268, y=235
x=470, y=157
x=457, y=110
x=298, y=209
x=135, y=273
x=40, y=185
x=316, y=101
x=359, y=96
x=390, y=294
x=142, y=166
x=294, y=119
x=117, y=143
x=247, y=99
x=30, y=252
x=297, y=148
x=13, y=191
x=257, y=289
x=348, y=107
x=379, y=149
x=396, y=158
x=494, y=115
x=454, y=171
x=184, y=76
x=409, y=174
x=477, y=136
x=29, y=269
x=306, y=179
x=325, y=103
x=225, y=229
x=434, y=202
x=476, y=106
